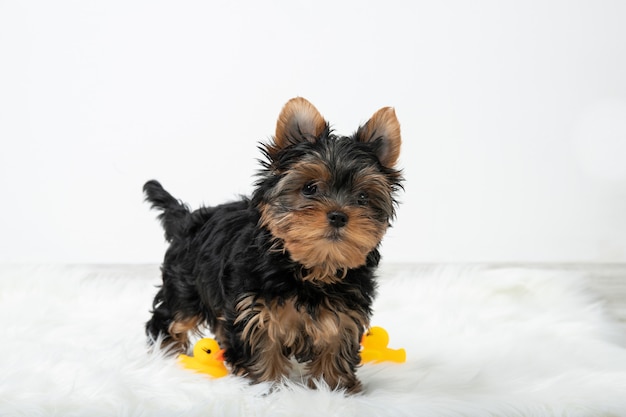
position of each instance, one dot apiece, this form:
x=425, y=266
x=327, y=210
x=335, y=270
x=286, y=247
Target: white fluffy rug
x=479, y=342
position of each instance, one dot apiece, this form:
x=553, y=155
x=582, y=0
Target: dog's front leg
x=335, y=337
x=336, y=365
x=262, y=353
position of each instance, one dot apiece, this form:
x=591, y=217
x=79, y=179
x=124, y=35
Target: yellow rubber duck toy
x=207, y=358
x=374, y=343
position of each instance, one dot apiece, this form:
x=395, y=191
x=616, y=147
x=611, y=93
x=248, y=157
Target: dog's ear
x=382, y=130
x=298, y=121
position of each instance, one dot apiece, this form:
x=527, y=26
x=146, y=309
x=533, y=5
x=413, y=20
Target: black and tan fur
x=288, y=273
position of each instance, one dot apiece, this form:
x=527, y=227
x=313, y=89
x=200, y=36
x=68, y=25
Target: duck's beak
x=219, y=355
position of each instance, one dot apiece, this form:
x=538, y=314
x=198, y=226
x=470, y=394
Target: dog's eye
x=363, y=199
x=309, y=189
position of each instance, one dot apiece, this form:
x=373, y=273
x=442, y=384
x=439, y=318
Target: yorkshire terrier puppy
x=289, y=272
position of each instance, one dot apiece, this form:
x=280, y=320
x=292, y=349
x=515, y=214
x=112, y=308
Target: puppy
x=288, y=273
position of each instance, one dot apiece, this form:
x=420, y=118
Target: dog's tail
x=174, y=212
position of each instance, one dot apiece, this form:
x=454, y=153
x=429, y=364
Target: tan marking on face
x=324, y=251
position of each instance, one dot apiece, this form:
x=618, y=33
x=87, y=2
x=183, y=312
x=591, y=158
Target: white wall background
x=513, y=118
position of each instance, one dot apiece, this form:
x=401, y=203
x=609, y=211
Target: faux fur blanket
x=479, y=341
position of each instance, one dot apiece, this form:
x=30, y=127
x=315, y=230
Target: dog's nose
x=337, y=219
